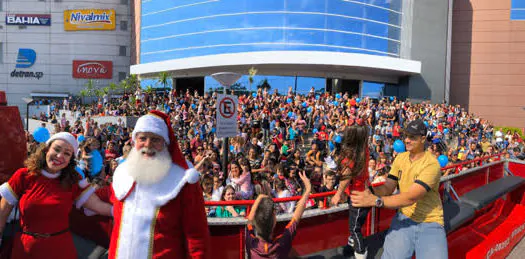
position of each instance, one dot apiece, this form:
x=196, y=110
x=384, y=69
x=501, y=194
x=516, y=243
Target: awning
x=53, y=95
x=288, y=63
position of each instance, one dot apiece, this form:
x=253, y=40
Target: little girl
x=353, y=167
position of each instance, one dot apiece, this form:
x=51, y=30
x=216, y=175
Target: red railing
x=248, y=203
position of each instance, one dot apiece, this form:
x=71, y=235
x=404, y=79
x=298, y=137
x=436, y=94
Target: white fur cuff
x=192, y=176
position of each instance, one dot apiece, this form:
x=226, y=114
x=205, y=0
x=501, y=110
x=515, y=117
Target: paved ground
x=519, y=250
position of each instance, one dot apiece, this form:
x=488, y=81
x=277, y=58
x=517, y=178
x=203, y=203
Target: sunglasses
x=412, y=137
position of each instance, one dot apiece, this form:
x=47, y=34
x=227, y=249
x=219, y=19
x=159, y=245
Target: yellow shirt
x=426, y=172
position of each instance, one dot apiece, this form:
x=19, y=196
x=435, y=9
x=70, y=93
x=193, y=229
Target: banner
x=28, y=19
x=89, y=19
x=92, y=69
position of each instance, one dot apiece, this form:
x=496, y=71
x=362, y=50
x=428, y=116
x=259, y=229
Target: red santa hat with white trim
x=159, y=123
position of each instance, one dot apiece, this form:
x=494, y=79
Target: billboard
x=92, y=69
x=28, y=19
x=89, y=20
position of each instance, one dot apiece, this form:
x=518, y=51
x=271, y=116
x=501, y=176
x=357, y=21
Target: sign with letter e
x=226, y=115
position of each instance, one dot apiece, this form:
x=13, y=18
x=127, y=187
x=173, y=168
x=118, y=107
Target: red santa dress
x=44, y=209
x=161, y=220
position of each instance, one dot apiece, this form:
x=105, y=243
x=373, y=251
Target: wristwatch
x=379, y=202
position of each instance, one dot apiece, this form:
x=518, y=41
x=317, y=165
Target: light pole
x=28, y=101
x=226, y=79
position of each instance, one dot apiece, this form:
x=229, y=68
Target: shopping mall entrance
x=189, y=83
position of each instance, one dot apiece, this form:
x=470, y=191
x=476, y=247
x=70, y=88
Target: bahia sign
x=92, y=69
x=28, y=19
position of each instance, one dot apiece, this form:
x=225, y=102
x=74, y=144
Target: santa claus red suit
x=164, y=219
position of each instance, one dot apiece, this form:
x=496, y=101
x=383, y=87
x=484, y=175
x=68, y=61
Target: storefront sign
x=89, y=19
x=92, y=69
x=28, y=19
x=26, y=58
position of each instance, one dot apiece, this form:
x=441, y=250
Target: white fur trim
x=66, y=136
x=50, y=175
x=137, y=222
x=84, y=196
x=160, y=193
x=153, y=124
x=7, y=193
x=192, y=176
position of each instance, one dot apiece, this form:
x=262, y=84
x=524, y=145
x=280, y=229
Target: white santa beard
x=148, y=170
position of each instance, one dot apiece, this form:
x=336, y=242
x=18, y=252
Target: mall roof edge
x=291, y=63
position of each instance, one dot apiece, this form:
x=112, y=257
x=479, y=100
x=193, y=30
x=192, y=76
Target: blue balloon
x=305, y=104
x=232, y=148
x=317, y=97
x=426, y=123
x=314, y=131
x=41, y=134
x=80, y=171
x=338, y=96
x=443, y=160
x=336, y=103
x=309, y=109
x=358, y=100
x=290, y=114
x=338, y=139
x=256, y=107
x=289, y=100
x=254, y=95
x=391, y=98
x=193, y=106
x=81, y=138
x=399, y=146
x=213, y=130
x=96, y=162
x=331, y=146
x=445, y=131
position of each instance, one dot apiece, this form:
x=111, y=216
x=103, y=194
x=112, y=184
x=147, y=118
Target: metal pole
x=27, y=117
x=225, y=149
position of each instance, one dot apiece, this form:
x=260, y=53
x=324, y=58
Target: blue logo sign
x=26, y=58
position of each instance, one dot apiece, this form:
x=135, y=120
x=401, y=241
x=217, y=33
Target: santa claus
x=158, y=205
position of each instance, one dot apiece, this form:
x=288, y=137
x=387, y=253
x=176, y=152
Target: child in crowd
x=353, y=166
x=261, y=223
x=328, y=186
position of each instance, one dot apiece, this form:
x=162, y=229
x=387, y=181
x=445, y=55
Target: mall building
x=467, y=52
x=51, y=48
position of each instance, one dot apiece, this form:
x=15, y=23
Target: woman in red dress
x=45, y=191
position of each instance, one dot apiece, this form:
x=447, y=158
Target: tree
x=164, y=79
x=238, y=89
x=251, y=73
x=264, y=85
x=149, y=89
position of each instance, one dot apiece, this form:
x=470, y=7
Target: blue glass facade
x=173, y=29
x=517, y=10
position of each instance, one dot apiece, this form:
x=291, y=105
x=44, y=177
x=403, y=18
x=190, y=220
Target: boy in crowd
x=262, y=221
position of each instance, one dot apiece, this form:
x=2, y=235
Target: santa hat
x=66, y=136
x=159, y=123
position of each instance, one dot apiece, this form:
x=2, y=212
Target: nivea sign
x=28, y=19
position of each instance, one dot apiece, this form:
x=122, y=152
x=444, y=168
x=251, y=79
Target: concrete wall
x=56, y=48
x=427, y=22
x=488, y=61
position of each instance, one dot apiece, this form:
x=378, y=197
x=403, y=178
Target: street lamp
x=226, y=79
x=27, y=101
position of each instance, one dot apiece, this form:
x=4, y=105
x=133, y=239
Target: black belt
x=45, y=235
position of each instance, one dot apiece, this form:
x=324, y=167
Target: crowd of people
x=281, y=136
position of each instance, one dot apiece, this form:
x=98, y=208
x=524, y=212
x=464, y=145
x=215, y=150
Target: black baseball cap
x=416, y=128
